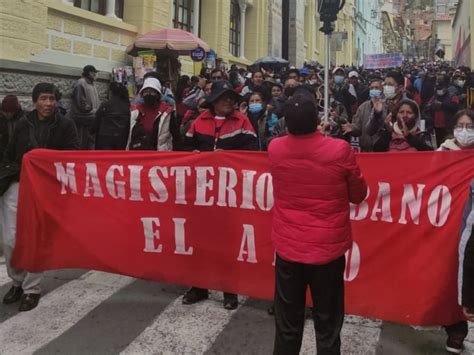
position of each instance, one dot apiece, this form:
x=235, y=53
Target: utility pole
x=328, y=10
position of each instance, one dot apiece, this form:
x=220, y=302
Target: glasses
x=469, y=127
x=217, y=78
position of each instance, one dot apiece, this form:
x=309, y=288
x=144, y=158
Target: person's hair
x=152, y=74
x=301, y=115
x=459, y=114
x=397, y=76
x=181, y=86
x=255, y=72
x=43, y=88
x=119, y=90
x=217, y=70
x=259, y=94
x=413, y=105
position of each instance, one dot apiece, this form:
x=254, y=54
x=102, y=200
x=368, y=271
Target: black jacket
x=7, y=126
x=58, y=133
x=112, y=118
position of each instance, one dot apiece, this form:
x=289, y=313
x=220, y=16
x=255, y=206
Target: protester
x=358, y=90
x=255, y=85
x=311, y=227
x=153, y=124
x=358, y=127
x=340, y=91
x=441, y=109
x=182, y=89
x=201, y=90
x=457, y=89
x=220, y=128
x=261, y=119
x=463, y=140
x=112, y=120
x=85, y=102
x=401, y=132
x=10, y=114
x=44, y=127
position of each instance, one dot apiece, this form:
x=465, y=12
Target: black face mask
x=150, y=100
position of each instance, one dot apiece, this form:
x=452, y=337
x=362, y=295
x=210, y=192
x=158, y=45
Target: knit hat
x=10, y=104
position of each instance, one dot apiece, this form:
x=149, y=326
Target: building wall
x=275, y=27
x=461, y=35
x=442, y=30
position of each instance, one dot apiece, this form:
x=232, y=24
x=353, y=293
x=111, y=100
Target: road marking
x=184, y=329
x=358, y=336
x=58, y=311
x=4, y=278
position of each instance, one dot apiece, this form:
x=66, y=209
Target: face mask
x=312, y=82
x=464, y=137
x=460, y=83
x=256, y=107
x=374, y=93
x=150, y=100
x=278, y=81
x=389, y=91
x=441, y=92
x=338, y=79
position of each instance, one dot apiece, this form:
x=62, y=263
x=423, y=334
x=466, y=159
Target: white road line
x=184, y=329
x=57, y=312
x=4, y=279
x=358, y=336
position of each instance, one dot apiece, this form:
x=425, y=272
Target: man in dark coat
x=43, y=127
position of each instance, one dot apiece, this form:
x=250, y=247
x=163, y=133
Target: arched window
x=183, y=14
x=234, y=28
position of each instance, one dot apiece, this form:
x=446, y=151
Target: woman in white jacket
x=463, y=139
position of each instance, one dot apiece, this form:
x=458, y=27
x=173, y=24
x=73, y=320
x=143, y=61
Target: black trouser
x=327, y=291
x=457, y=331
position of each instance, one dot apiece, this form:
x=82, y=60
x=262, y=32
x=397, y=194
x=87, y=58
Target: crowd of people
x=419, y=107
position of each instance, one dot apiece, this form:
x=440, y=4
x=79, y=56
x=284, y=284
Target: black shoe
x=230, y=301
x=29, y=301
x=194, y=295
x=454, y=346
x=13, y=295
x=271, y=310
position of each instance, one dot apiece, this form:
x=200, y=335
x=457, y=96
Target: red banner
x=204, y=219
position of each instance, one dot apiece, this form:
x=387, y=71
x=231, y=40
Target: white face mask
x=464, y=137
x=389, y=91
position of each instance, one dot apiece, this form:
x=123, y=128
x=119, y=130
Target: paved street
x=87, y=312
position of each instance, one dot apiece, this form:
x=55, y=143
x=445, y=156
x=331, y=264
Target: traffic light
x=328, y=10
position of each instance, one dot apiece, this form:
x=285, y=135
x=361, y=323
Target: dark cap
x=219, y=88
x=10, y=104
x=89, y=69
x=301, y=115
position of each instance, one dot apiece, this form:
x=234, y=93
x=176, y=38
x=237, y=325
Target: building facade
x=368, y=29
x=51, y=40
x=462, y=25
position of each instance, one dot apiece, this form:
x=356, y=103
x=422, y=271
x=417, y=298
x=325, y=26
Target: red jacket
x=314, y=179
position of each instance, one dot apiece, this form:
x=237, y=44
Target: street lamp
x=328, y=10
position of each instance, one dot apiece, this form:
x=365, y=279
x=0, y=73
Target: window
x=183, y=14
x=100, y=6
x=234, y=33
x=97, y=6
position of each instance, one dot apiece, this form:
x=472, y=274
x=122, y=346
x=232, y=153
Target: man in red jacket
x=314, y=179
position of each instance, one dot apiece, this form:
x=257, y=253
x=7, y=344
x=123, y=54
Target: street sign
x=198, y=54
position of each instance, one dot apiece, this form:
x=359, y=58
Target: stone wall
x=19, y=79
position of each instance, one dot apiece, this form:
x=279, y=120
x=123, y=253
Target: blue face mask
x=375, y=93
x=255, y=107
x=338, y=79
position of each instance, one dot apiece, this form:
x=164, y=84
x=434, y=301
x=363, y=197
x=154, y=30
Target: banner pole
x=326, y=77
